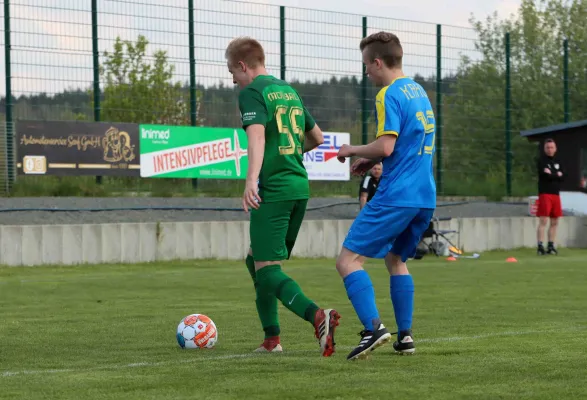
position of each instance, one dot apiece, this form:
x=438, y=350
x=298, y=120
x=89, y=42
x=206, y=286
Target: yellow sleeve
x=386, y=114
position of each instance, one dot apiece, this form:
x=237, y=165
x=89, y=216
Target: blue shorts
x=378, y=228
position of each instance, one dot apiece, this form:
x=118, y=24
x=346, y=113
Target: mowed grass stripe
x=199, y=358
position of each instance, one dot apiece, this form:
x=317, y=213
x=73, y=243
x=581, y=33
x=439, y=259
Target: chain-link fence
x=163, y=62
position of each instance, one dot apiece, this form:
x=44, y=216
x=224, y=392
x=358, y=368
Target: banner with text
x=221, y=153
x=77, y=148
x=322, y=164
x=193, y=152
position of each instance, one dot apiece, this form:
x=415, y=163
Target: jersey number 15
x=289, y=128
x=428, y=122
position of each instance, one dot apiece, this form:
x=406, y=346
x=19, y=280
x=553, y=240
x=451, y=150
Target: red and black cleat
x=325, y=323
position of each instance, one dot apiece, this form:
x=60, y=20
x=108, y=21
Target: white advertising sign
x=322, y=164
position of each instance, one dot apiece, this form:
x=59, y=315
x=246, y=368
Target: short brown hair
x=384, y=46
x=247, y=50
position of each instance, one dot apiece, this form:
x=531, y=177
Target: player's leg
x=370, y=235
x=555, y=215
x=360, y=292
x=267, y=311
x=268, y=241
x=401, y=291
x=262, y=225
x=325, y=321
x=552, y=236
x=543, y=212
x=401, y=283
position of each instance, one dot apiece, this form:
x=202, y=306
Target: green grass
x=491, y=185
x=85, y=186
x=485, y=329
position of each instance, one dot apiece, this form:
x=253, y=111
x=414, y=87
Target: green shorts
x=274, y=229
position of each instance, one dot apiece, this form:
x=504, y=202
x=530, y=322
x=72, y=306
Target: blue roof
x=554, y=128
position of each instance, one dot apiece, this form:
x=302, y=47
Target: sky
x=449, y=12
x=52, y=48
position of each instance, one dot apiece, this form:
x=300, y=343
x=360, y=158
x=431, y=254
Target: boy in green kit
x=279, y=130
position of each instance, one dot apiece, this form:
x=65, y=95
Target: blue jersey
x=404, y=110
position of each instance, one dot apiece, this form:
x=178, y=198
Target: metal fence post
x=439, y=108
x=364, y=107
x=566, y=80
x=282, y=42
x=10, y=156
x=96, y=66
x=193, y=115
x=508, y=99
x=193, y=92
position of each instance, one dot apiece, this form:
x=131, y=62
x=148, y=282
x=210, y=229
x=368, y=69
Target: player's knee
x=341, y=264
x=395, y=265
x=543, y=221
x=348, y=262
x=553, y=221
x=263, y=264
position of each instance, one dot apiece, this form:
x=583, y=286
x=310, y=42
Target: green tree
x=475, y=113
x=141, y=89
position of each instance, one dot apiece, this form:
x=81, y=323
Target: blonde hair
x=247, y=50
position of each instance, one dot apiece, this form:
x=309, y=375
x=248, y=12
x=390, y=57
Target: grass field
x=490, y=184
x=484, y=329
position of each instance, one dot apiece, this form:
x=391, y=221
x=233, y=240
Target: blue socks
x=362, y=295
x=401, y=289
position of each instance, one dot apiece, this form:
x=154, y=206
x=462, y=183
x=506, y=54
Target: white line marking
x=498, y=334
x=133, y=365
x=251, y=355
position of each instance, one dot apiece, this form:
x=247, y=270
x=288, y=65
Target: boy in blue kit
x=401, y=210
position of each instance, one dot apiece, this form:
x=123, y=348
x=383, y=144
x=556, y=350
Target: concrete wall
x=133, y=243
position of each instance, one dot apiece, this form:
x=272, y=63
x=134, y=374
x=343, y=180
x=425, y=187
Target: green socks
x=266, y=304
x=272, y=284
x=272, y=280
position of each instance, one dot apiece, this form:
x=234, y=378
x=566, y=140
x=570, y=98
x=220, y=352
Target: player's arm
x=364, y=191
x=388, y=127
x=254, y=119
x=255, y=151
x=561, y=173
x=361, y=165
x=543, y=170
x=363, y=200
x=313, y=138
x=382, y=147
x=312, y=132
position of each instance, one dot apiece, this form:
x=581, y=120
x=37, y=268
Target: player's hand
x=361, y=166
x=547, y=171
x=559, y=173
x=251, y=197
x=344, y=152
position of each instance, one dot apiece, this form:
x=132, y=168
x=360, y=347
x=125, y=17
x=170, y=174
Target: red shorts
x=549, y=205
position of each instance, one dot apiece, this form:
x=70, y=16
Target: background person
x=550, y=176
x=369, y=185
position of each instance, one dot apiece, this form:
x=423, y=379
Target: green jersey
x=274, y=104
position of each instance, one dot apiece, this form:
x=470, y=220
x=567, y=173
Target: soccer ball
x=196, y=331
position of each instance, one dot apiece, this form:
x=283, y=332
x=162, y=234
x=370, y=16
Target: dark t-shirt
x=549, y=183
x=369, y=185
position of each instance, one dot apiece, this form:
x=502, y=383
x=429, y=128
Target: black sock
x=550, y=244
